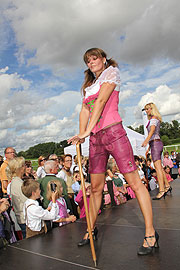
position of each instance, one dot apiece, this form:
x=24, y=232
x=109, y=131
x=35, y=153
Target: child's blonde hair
x=29, y=186
x=58, y=189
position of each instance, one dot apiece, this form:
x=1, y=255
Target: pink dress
x=79, y=200
x=131, y=193
x=169, y=178
x=107, y=198
x=63, y=211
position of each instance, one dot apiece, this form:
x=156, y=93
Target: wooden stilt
x=85, y=204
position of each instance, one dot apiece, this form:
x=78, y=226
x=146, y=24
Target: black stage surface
x=121, y=232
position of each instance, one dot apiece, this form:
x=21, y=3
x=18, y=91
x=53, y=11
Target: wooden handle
x=85, y=203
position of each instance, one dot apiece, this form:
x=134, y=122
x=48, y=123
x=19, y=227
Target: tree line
x=169, y=132
x=44, y=149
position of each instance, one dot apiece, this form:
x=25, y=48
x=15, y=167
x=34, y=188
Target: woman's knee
x=134, y=181
x=97, y=188
x=97, y=183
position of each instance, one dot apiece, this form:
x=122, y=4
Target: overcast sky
x=41, y=68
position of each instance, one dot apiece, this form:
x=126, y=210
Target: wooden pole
x=85, y=204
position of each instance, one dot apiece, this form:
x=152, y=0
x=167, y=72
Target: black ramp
x=121, y=232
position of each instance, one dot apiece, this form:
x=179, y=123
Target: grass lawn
x=34, y=163
x=170, y=148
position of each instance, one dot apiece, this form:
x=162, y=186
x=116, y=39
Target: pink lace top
x=110, y=113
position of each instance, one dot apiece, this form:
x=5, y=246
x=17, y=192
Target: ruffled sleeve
x=110, y=75
x=153, y=122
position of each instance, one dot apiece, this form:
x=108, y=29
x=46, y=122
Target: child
x=167, y=170
x=140, y=171
x=77, y=181
x=153, y=182
x=80, y=201
x=113, y=178
x=149, y=168
x=167, y=160
x=63, y=213
x=34, y=214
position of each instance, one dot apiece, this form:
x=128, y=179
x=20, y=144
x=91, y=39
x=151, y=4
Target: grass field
x=34, y=163
x=170, y=148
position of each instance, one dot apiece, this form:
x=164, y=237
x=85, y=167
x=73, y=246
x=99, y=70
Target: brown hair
x=28, y=163
x=40, y=159
x=89, y=76
x=29, y=186
x=67, y=155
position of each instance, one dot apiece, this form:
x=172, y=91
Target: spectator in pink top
x=167, y=172
x=167, y=160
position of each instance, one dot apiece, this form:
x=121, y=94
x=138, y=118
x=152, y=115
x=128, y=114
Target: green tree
x=165, y=139
x=140, y=129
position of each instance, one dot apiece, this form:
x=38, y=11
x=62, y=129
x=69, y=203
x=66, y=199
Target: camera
x=53, y=187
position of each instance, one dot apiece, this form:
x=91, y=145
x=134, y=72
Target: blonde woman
x=15, y=171
x=156, y=146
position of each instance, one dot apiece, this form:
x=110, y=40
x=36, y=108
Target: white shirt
x=41, y=172
x=110, y=75
x=152, y=183
x=141, y=173
x=35, y=214
x=62, y=175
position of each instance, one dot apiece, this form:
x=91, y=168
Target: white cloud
x=3, y=70
x=167, y=102
x=37, y=121
x=125, y=95
x=177, y=117
x=58, y=32
x=28, y=118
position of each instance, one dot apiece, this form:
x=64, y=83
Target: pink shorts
x=111, y=141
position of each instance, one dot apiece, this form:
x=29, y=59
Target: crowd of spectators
x=33, y=202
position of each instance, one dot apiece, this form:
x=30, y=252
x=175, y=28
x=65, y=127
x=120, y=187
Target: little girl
x=167, y=170
x=63, y=217
x=79, y=199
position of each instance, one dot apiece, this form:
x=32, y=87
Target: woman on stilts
x=156, y=146
x=100, y=119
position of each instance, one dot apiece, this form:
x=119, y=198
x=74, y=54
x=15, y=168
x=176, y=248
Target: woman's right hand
x=76, y=139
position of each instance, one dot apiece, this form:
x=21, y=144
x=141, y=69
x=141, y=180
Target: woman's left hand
x=78, y=138
x=145, y=143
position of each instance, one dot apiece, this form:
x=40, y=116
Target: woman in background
x=40, y=171
x=156, y=146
